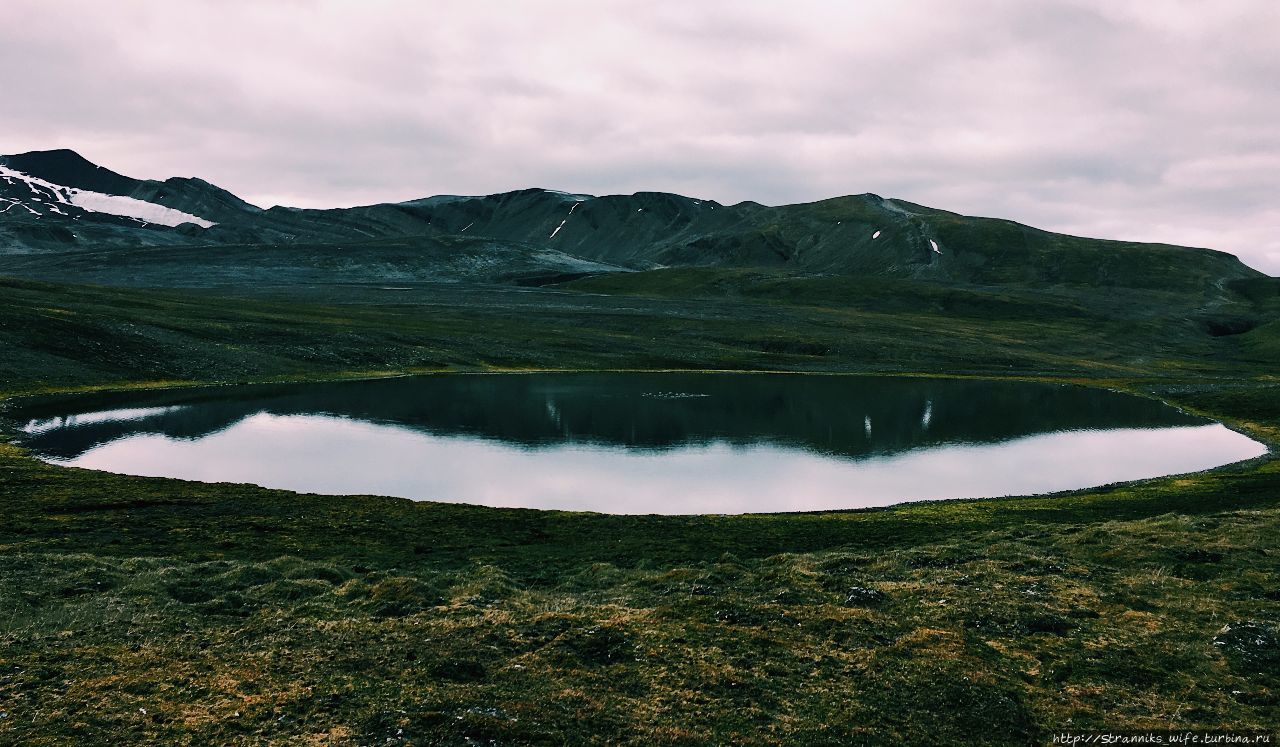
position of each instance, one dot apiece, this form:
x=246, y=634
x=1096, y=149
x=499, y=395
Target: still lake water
x=639, y=443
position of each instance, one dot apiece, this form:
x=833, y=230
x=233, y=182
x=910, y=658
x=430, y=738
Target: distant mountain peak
x=56, y=155
x=69, y=168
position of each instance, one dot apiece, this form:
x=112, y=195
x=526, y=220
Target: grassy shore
x=160, y=611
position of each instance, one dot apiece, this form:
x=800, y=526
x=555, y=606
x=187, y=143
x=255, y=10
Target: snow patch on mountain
x=894, y=207
x=569, y=195
x=128, y=207
x=566, y=218
x=98, y=202
x=33, y=182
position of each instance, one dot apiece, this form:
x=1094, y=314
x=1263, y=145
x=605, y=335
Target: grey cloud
x=1113, y=118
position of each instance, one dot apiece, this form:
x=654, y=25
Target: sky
x=1148, y=120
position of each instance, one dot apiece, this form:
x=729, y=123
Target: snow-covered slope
x=149, y=212
x=40, y=197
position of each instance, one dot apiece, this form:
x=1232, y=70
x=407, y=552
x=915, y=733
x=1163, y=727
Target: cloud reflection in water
x=335, y=455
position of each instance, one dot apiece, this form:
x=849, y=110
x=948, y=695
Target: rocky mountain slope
x=65, y=218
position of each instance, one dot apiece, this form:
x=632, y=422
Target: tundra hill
x=65, y=218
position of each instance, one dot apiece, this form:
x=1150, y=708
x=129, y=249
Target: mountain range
x=63, y=217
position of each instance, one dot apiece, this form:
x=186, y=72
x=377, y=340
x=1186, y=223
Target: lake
x=638, y=443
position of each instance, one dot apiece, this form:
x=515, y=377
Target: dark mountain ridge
x=59, y=219
x=68, y=168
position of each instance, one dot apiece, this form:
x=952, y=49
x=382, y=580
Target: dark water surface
x=638, y=443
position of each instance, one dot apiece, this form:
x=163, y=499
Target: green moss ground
x=159, y=611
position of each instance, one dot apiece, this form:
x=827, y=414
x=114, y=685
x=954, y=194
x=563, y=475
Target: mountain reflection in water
x=639, y=443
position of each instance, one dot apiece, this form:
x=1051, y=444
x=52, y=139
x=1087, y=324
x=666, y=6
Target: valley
x=152, y=609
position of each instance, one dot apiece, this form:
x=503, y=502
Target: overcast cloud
x=1134, y=119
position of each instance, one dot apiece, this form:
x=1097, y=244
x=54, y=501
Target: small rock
x=1250, y=645
x=863, y=596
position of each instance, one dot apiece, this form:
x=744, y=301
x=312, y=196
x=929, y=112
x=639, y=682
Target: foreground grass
x=158, y=611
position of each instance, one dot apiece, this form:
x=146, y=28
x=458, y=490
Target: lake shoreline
x=10, y=406
x=235, y=613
